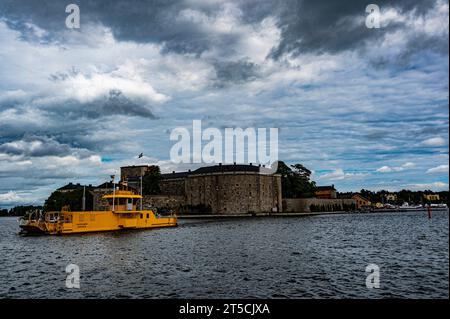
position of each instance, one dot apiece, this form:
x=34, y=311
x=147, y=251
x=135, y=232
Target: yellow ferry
x=122, y=214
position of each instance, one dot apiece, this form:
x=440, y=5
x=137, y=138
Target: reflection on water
x=302, y=257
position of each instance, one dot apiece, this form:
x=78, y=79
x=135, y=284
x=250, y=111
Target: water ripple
x=309, y=257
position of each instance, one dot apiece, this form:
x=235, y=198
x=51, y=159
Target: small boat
x=122, y=213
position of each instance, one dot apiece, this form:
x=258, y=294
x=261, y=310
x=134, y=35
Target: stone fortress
x=235, y=189
x=219, y=189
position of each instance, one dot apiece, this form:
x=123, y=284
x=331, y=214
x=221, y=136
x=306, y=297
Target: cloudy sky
x=360, y=107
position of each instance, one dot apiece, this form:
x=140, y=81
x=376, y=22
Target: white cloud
x=395, y=42
x=87, y=88
x=438, y=169
x=436, y=186
x=10, y=196
x=434, y=142
x=16, y=198
x=435, y=22
x=91, y=70
x=253, y=42
x=339, y=174
x=409, y=165
x=389, y=169
x=385, y=169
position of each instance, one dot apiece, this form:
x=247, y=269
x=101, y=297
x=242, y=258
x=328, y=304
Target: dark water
x=302, y=257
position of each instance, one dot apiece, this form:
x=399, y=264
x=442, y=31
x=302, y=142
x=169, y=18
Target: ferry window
x=141, y=216
x=148, y=215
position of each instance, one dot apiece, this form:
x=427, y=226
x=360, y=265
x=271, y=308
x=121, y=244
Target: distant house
x=431, y=197
x=361, y=201
x=391, y=197
x=379, y=205
x=325, y=192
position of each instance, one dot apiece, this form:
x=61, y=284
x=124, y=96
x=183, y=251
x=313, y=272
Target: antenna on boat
x=83, y=201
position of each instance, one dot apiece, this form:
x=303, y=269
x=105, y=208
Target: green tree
x=72, y=198
x=22, y=210
x=295, y=181
x=150, y=181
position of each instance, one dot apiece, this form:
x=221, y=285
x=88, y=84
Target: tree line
x=408, y=196
x=18, y=210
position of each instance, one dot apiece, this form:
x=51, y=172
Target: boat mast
x=83, y=201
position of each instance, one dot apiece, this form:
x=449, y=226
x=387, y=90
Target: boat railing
x=32, y=216
x=23, y=221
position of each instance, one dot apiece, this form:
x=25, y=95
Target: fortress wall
x=302, y=205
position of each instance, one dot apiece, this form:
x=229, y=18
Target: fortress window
x=141, y=216
x=148, y=215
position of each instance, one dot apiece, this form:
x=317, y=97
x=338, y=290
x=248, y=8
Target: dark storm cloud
x=329, y=25
x=235, y=72
x=64, y=131
x=116, y=103
x=36, y=146
x=307, y=26
x=138, y=20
